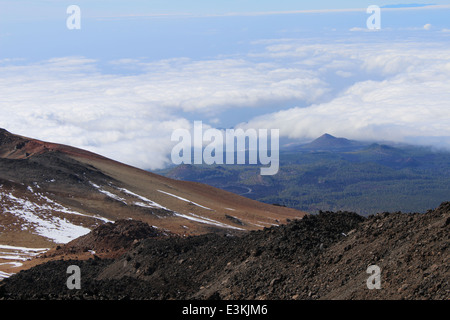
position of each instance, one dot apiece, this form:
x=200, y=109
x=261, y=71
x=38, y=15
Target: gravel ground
x=324, y=256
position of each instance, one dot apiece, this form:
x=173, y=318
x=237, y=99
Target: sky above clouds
x=138, y=70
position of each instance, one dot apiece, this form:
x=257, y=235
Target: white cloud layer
x=392, y=91
x=409, y=101
x=131, y=117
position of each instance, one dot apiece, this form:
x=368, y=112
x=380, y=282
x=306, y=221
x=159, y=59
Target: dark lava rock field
x=323, y=256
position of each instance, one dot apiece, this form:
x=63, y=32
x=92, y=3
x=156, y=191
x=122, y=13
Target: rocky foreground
x=324, y=256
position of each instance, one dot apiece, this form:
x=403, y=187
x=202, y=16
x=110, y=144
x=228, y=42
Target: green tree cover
x=370, y=179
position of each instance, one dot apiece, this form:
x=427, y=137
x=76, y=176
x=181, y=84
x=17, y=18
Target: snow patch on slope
x=16, y=254
x=37, y=219
x=147, y=203
x=205, y=220
x=186, y=200
x=107, y=193
x=4, y=275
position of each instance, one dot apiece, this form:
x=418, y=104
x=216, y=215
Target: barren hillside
x=51, y=194
x=318, y=257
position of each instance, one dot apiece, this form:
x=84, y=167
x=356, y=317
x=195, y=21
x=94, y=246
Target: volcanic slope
x=324, y=256
x=51, y=194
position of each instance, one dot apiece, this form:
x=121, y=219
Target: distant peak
x=327, y=136
x=328, y=141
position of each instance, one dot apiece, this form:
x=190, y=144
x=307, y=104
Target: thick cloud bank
x=391, y=91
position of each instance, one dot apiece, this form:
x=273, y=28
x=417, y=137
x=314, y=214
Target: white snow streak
x=109, y=194
x=17, y=254
x=186, y=200
x=147, y=203
x=205, y=220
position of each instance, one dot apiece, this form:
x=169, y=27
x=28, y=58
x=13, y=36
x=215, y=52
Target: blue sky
x=137, y=70
x=35, y=30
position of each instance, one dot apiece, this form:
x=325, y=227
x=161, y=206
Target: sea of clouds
x=355, y=89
